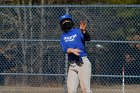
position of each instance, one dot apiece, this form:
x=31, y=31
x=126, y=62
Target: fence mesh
x=31, y=59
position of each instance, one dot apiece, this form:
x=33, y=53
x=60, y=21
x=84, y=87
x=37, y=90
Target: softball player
x=73, y=43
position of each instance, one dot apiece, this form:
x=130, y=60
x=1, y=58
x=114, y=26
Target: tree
x=33, y=2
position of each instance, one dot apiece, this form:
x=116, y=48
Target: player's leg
x=85, y=75
x=73, y=79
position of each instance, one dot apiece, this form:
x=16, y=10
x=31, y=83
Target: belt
x=78, y=62
x=71, y=62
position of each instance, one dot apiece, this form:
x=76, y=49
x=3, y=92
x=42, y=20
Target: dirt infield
x=97, y=89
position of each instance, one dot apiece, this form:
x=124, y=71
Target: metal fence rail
x=31, y=56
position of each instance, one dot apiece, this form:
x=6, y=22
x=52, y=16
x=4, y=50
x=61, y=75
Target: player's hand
x=83, y=25
x=76, y=52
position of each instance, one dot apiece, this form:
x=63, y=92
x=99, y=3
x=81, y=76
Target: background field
x=99, y=89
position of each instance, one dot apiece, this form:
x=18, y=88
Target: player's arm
x=86, y=35
x=74, y=51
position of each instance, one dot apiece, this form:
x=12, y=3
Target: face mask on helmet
x=67, y=25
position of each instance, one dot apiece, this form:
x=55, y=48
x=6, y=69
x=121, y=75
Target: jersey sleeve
x=84, y=36
x=87, y=36
x=63, y=45
x=80, y=34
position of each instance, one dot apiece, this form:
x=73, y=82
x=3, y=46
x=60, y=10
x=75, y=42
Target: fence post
x=66, y=72
x=67, y=10
x=66, y=63
x=123, y=79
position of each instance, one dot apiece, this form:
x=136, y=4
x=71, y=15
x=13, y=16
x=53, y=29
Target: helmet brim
x=64, y=20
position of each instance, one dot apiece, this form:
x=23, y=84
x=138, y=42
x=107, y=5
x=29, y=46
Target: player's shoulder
x=77, y=29
x=62, y=35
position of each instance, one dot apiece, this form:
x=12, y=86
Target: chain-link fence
x=32, y=61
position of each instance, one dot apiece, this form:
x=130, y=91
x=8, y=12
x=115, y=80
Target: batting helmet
x=66, y=16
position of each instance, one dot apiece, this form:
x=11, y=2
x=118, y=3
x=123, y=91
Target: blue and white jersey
x=75, y=39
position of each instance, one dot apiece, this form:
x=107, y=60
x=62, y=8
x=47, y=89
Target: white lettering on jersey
x=70, y=38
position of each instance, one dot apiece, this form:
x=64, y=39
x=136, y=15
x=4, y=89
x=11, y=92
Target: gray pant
x=79, y=73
